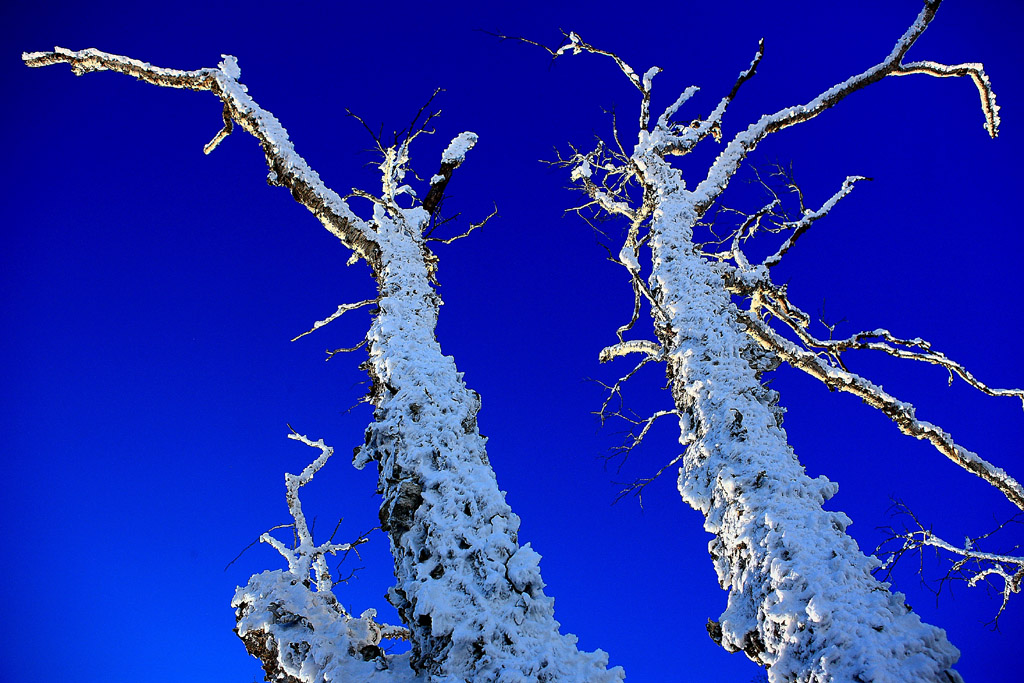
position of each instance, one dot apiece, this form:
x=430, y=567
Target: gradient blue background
x=148, y=293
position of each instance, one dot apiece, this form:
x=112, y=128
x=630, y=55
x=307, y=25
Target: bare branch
x=331, y=354
x=637, y=487
x=229, y=126
x=577, y=45
x=472, y=227
x=635, y=438
x=615, y=390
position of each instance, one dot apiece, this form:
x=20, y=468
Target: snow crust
x=455, y=153
x=473, y=597
x=314, y=637
x=802, y=600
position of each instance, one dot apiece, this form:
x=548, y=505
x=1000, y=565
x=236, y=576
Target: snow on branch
x=800, y=226
x=301, y=632
x=900, y=412
x=973, y=566
x=452, y=157
x=344, y=308
x=287, y=168
x=908, y=349
x=728, y=162
x=631, y=346
x=306, y=556
x=679, y=140
x=977, y=74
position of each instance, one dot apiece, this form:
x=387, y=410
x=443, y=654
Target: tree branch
x=973, y=565
x=800, y=226
x=344, y=308
x=743, y=143
x=900, y=412
x=287, y=168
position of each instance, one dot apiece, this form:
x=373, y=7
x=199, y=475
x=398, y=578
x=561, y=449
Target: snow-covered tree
x=803, y=600
x=471, y=598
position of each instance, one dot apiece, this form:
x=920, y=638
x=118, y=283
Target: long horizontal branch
x=287, y=168
x=900, y=412
x=885, y=342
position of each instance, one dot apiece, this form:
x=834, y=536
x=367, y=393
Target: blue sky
x=149, y=293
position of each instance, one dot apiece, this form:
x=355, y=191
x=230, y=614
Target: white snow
x=456, y=150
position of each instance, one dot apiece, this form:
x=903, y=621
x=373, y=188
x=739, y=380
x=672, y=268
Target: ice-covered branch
x=344, y=308
x=916, y=349
x=452, y=157
x=632, y=346
x=800, y=226
x=747, y=229
x=900, y=412
x=973, y=566
x=301, y=632
x=977, y=74
x=287, y=168
x=728, y=162
x=307, y=556
x=681, y=139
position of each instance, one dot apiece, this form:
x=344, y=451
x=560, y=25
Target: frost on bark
x=802, y=598
x=471, y=598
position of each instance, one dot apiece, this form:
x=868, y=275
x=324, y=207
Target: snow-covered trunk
x=802, y=600
x=472, y=597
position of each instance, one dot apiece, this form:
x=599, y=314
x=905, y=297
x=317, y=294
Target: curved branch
x=975, y=71
x=973, y=565
x=632, y=346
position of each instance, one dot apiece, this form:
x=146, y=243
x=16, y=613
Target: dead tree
x=470, y=596
x=802, y=598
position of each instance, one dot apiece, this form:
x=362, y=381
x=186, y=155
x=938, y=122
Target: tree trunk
x=472, y=597
x=802, y=600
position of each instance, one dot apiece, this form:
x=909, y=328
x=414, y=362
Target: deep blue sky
x=149, y=293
